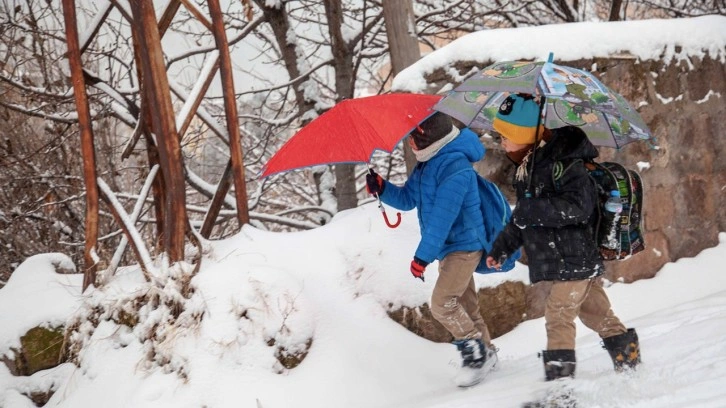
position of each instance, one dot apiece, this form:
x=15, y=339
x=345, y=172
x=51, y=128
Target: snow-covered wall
x=656, y=39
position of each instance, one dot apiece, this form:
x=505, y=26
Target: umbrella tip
x=551, y=57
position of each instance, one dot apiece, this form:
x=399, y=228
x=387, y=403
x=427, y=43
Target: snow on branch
x=137, y=243
x=133, y=218
x=207, y=118
x=103, y=7
x=205, y=188
x=204, y=75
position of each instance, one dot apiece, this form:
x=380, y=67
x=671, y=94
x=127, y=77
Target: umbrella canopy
x=352, y=131
x=572, y=97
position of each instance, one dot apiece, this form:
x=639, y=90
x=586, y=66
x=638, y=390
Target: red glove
x=417, y=268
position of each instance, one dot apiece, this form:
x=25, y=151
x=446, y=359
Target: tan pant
x=454, y=302
x=585, y=299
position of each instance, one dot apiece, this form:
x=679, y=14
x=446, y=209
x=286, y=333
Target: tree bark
x=615, y=10
x=213, y=211
x=403, y=48
x=280, y=24
x=230, y=110
x=344, y=84
x=143, y=128
x=87, y=147
x=156, y=87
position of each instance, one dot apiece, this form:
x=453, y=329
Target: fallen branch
x=130, y=231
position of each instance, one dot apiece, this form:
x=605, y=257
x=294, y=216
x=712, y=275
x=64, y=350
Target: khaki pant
x=585, y=299
x=454, y=302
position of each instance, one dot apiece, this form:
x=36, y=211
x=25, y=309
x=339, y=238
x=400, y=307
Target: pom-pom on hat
x=432, y=129
x=516, y=119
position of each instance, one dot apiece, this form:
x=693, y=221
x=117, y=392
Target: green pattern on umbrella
x=573, y=97
x=510, y=76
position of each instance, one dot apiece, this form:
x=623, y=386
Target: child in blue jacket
x=443, y=188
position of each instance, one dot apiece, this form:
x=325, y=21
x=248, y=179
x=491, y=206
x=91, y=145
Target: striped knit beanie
x=517, y=118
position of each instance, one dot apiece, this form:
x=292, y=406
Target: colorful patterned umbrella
x=572, y=97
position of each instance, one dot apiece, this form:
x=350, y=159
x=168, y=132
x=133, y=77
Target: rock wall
x=685, y=185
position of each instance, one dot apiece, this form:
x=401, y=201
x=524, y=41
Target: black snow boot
x=477, y=361
x=473, y=352
x=559, y=364
x=624, y=349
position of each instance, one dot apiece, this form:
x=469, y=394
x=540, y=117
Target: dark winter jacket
x=554, y=225
x=444, y=190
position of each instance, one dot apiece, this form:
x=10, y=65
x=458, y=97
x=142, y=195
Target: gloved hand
x=418, y=267
x=495, y=263
x=374, y=183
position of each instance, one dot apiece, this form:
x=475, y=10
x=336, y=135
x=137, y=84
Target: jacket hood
x=467, y=143
x=569, y=142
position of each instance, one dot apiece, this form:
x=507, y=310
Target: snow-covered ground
x=331, y=288
x=334, y=285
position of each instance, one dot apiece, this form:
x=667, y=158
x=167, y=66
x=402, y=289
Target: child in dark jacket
x=443, y=188
x=553, y=222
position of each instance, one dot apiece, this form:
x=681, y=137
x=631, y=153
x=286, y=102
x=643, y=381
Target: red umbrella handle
x=398, y=221
x=385, y=216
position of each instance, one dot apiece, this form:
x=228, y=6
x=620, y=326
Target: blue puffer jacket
x=445, y=192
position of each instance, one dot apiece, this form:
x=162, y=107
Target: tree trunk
x=403, y=48
x=213, y=212
x=156, y=87
x=88, y=150
x=152, y=150
x=230, y=110
x=279, y=22
x=344, y=84
x=615, y=10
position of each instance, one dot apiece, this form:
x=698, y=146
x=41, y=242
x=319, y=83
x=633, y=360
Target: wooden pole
x=213, y=212
x=156, y=87
x=230, y=110
x=152, y=151
x=90, y=258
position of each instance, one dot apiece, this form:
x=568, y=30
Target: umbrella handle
x=383, y=210
x=385, y=216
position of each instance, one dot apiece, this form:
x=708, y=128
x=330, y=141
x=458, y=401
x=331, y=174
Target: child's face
x=510, y=146
x=412, y=143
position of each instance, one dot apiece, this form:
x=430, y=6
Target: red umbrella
x=352, y=131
